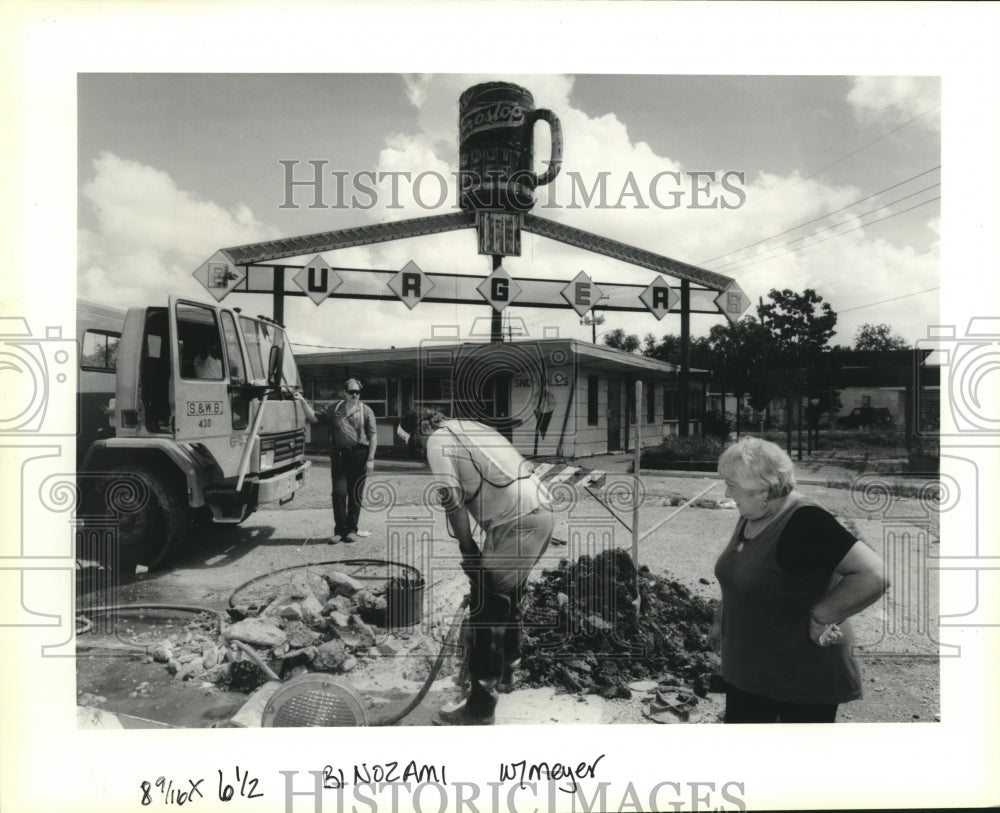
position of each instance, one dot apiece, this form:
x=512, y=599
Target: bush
x=675, y=450
x=717, y=424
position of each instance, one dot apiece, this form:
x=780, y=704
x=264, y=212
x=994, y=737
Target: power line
x=823, y=217
x=833, y=226
x=838, y=234
x=838, y=161
x=893, y=299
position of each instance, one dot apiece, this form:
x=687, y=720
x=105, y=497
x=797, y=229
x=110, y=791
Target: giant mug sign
x=496, y=147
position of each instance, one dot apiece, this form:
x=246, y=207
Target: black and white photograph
x=394, y=420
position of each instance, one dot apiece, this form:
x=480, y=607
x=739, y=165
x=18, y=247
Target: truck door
x=200, y=372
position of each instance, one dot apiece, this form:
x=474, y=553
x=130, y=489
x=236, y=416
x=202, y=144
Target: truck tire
x=152, y=514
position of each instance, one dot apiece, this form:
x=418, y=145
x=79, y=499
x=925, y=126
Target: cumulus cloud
x=150, y=234
x=642, y=198
x=896, y=99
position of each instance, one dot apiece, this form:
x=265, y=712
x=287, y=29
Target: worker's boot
x=477, y=708
x=506, y=684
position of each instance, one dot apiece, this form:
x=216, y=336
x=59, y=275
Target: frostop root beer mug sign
x=496, y=147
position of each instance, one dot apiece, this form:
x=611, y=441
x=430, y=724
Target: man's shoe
x=463, y=716
x=351, y=537
x=335, y=539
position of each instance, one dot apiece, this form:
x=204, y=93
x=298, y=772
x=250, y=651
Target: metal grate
x=314, y=701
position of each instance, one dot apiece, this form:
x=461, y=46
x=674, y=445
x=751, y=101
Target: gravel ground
x=898, y=655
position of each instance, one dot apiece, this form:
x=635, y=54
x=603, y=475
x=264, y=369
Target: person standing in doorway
x=353, y=444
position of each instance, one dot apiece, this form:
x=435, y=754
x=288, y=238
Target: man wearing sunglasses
x=352, y=456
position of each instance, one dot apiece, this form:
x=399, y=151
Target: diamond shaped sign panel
x=582, y=293
x=732, y=301
x=499, y=289
x=411, y=284
x=218, y=275
x=318, y=280
x=659, y=297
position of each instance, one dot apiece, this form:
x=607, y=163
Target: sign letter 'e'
x=582, y=293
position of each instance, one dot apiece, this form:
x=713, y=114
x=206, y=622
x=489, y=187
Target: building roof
x=401, y=361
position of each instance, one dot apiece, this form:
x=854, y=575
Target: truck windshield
x=260, y=338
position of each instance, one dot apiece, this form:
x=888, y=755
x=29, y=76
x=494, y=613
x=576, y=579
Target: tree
x=800, y=324
x=620, y=340
x=878, y=337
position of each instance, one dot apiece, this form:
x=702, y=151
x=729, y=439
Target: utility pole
x=593, y=321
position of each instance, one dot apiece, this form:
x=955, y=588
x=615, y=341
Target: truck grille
x=285, y=445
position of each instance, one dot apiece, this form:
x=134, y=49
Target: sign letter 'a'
x=499, y=289
x=411, y=284
x=582, y=293
x=318, y=280
x=659, y=297
x=218, y=275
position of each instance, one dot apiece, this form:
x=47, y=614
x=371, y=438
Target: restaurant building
x=551, y=397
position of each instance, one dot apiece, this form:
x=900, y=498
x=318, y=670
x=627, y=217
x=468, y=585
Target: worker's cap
x=411, y=421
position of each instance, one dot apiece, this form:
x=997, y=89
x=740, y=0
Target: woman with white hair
x=791, y=575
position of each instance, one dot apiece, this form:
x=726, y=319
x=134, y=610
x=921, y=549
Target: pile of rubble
x=598, y=626
x=327, y=622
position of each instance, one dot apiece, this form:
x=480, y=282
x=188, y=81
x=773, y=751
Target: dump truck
x=186, y=418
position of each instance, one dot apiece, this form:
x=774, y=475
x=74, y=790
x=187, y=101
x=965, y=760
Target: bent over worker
x=484, y=479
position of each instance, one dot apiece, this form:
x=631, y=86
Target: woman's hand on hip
x=824, y=634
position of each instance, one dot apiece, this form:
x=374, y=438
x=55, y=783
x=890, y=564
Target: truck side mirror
x=274, y=363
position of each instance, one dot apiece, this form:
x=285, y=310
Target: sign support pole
x=682, y=384
x=496, y=317
x=638, y=455
x=278, y=295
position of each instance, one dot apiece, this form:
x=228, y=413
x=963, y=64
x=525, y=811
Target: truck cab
x=202, y=425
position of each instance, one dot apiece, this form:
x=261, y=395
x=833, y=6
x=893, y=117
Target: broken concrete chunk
x=162, y=653
x=338, y=604
x=292, y=611
x=256, y=631
x=339, y=619
x=329, y=656
x=366, y=632
x=349, y=663
x=342, y=585
x=312, y=610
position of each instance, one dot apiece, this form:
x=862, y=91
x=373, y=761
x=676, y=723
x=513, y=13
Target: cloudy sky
x=831, y=183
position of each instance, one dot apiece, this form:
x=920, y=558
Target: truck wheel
x=152, y=515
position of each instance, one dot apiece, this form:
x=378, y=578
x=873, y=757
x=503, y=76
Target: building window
x=866, y=400
x=593, y=392
x=650, y=402
x=100, y=350
x=696, y=402
x=670, y=404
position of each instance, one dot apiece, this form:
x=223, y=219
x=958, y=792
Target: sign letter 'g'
x=499, y=289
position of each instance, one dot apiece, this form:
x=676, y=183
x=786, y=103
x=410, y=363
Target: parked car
x=861, y=417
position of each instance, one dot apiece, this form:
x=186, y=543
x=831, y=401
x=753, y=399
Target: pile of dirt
x=585, y=630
